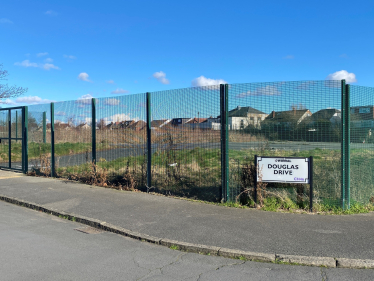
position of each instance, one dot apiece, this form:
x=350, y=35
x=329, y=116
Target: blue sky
x=65, y=50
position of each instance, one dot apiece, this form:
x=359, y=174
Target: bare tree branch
x=7, y=91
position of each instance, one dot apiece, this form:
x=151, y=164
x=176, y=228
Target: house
x=196, y=123
x=179, y=121
x=156, y=124
x=288, y=125
x=323, y=126
x=241, y=117
x=83, y=126
x=287, y=119
x=362, y=123
x=362, y=116
x=58, y=126
x=119, y=125
x=137, y=126
x=331, y=115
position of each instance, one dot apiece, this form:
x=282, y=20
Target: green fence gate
x=13, y=138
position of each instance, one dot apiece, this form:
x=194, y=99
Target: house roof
x=140, y=124
x=286, y=116
x=196, y=120
x=325, y=114
x=244, y=111
x=82, y=125
x=158, y=123
x=121, y=124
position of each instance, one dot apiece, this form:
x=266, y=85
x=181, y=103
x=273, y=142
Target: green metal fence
x=362, y=144
x=201, y=142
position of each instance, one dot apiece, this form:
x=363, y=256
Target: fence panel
x=186, y=142
x=121, y=139
x=294, y=119
x=73, y=136
x=39, y=138
x=4, y=133
x=362, y=144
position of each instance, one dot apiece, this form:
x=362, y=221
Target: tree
x=7, y=91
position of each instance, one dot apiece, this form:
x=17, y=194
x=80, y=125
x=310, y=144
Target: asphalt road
x=199, y=223
x=37, y=246
x=135, y=150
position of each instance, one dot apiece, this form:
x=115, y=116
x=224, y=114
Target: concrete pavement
x=38, y=246
x=339, y=240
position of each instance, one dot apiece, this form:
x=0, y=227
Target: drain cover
x=89, y=230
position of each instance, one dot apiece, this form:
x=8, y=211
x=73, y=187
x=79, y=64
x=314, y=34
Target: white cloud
x=48, y=66
x=289, y=57
x=60, y=113
x=110, y=82
x=118, y=118
x=26, y=63
x=4, y=20
x=111, y=102
x=342, y=74
x=203, y=81
x=268, y=90
x=41, y=54
x=50, y=13
x=119, y=91
x=85, y=99
x=161, y=77
x=8, y=101
x=70, y=57
x=84, y=77
x=48, y=60
x=33, y=100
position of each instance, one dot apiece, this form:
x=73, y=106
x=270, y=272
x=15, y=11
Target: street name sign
x=283, y=169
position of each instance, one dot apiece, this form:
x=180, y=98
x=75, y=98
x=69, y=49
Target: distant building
x=84, y=126
x=137, y=126
x=242, y=117
x=157, y=124
x=179, y=121
x=362, y=116
x=331, y=115
x=287, y=119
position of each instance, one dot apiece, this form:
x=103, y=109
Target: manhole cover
x=89, y=230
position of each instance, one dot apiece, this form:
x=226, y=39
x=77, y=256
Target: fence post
x=16, y=126
x=224, y=142
x=25, y=122
x=44, y=127
x=348, y=147
x=222, y=123
x=227, y=142
x=149, y=142
x=52, y=139
x=343, y=143
x=93, y=127
x=311, y=184
x=10, y=138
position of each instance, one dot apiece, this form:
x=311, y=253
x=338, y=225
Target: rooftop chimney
x=273, y=113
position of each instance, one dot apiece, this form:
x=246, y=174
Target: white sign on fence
x=283, y=169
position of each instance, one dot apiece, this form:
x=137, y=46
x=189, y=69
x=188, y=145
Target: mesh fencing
x=186, y=142
x=16, y=135
x=39, y=138
x=4, y=133
x=285, y=119
x=73, y=136
x=121, y=139
x=362, y=144
x=289, y=119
